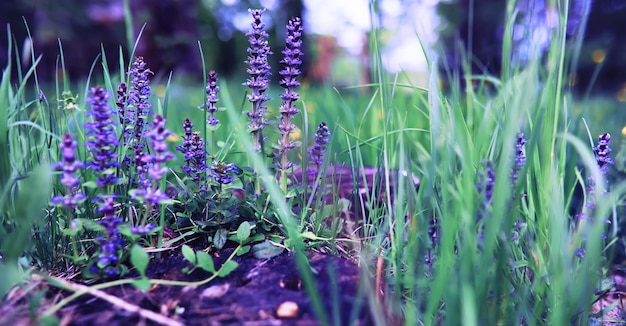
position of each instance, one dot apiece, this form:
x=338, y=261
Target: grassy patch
x=476, y=205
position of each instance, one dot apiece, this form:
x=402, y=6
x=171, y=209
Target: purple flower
x=520, y=157
x=211, y=98
x=185, y=148
x=69, y=166
x=139, y=98
x=222, y=172
x=289, y=82
x=318, y=151
x=102, y=140
x=125, y=117
x=194, y=153
x=485, y=187
x=142, y=230
x=259, y=72
x=580, y=253
x=112, y=243
x=154, y=162
x=602, y=152
x=158, y=134
x=142, y=162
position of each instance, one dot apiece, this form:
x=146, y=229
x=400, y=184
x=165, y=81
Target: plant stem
x=62, y=284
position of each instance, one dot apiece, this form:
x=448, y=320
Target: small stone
x=287, y=309
x=215, y=291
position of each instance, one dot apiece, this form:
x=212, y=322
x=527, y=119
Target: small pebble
x=215, y=291
x=287, y=309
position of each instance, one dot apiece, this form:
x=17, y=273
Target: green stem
x=54, y=281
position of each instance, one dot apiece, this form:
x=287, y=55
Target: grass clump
x=483, y=206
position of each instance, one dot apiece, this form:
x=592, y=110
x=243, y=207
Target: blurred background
x=337, y=36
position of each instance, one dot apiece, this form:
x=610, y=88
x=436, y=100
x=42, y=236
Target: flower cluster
x=222, y=173
x=211, y=98
x=126, y=120
x=153, y=194
x=102, y=141
x=289, y=82
x=141, y=161
x=520, y=157
x=112, y=243
x=602, y=151
x=485, y=187
x=259, y=72
x=139, y=98
x=318, y=151
x=194, y=153
x=69, y=166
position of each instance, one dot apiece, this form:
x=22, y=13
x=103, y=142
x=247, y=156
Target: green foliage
x=447, y=255
x=140, y=259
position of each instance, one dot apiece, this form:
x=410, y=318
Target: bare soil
x=250, y=295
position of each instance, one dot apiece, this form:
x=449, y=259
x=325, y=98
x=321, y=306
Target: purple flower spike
x=602, y=152
x=485, y=187
x=142, y=162
x=139, y=97
x=292, y=61
x=259, y=72
x=150, y=191
x=318, y=151
x=520, y=157
x=195, y=155
x=222, y=172
x=158, y=134
x=289, y=82
x=211, y=98
x=113, y=242
x=102, y=141
x=124, y=115
x=69, y=166
x=142, y=230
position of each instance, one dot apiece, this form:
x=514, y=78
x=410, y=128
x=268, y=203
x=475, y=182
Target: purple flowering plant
x=121, y=189
x=126, y=174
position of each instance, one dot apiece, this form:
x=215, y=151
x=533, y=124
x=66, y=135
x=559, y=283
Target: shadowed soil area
x=250, y=295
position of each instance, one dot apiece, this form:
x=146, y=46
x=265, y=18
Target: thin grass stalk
x=5, y=165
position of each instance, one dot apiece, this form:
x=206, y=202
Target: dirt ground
x=251, y=295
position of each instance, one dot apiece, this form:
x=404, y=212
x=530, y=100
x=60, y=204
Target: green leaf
x=91, y=225
x=205, y=261
x=142, y=284
x=343, y=205
x=11, y=276
x=48, y=321
x=27, y=210
x=309, y=235
x=258, y=237
x=266, y=250
x=243, y=232
x=139, y=258
x=228, y=267
x=90, y=184
x=189, y=254
x=168, y=202
x=219, y=240
x=243, y=250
